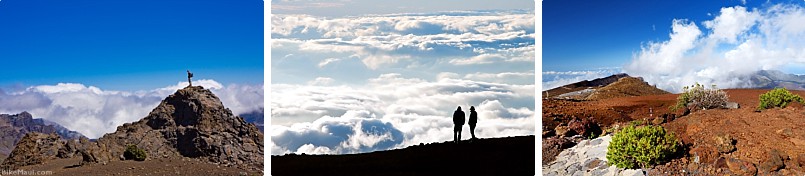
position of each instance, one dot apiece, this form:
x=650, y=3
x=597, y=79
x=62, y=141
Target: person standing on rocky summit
x=189, y=75
x=473, y=121
x=458, y=121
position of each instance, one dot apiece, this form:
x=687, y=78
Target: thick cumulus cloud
x=456, y=38
x=725, y=49
x=94, y=112
x=393, y=111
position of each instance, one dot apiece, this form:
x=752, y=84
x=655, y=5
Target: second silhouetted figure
x=473, y=121
x=458, y=121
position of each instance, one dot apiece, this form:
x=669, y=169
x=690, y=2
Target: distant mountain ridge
x=255, y=117
x=14, y=127
x=582, y=85
x=769, y=79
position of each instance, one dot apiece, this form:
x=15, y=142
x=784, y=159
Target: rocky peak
x=189, y=106
x=189, y=123
x=14, y=127
x=22, y=119
x=34, y=148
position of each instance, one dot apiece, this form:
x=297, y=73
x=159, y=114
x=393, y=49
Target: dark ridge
x=490, y=156
x=581, y=85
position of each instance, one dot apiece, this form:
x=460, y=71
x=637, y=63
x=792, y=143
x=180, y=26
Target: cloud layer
x=392, y=111
x=365, y=83
x=725, y=49
x=94, y=112
x=444, y=39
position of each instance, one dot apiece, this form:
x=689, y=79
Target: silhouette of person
x=458, y=121
x=189, y=75
x=473, y=121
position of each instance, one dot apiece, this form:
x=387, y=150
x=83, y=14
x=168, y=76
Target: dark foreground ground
x=491, y=156
x=189, y=167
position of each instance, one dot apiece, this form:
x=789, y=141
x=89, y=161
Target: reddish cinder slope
x=757, y=134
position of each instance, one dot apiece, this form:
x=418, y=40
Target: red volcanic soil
x=756, y=134
x=605, y=112
x=491, y=156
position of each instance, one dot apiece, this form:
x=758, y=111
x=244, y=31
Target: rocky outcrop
x=190, y=123
x=34, y=148
x=553, y=146
x=588, y=157
x=14, y=127
x=585, y=127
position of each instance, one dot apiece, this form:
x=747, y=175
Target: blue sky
x=361, y=76
x=94, y=65
x=671, y=43
x=130, y=45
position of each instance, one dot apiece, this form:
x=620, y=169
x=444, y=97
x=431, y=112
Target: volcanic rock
x=190, y=123
x=741, y=167
x=724, y=143
x=585, y=127
x=563, y=131
x=553, y=146
x=732, y=105
x=773, y=162
x=33, y=148
x=703, y=154
x=14, y=127
x=658, y=120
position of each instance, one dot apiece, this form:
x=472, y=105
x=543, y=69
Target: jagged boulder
x=585, y=127
x=34, y=148
x=189, y=123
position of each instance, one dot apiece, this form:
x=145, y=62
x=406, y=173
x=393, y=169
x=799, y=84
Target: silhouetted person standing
x=458, y=121
x=189, y=75
x=473, y=121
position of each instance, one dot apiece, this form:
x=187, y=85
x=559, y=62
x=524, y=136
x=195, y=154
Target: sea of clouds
x=94, y=112
x=380, y=82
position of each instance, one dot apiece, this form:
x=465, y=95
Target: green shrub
x=697, y=97
x=134, y=153
x=779, y=97
x=634, y=147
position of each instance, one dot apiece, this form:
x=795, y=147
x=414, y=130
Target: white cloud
x=479, y=59
x=504, y=77
x=94, y=112
x=732, y=22
x=419, y=109
x=327, y=61
x=321, y=81
x=741, y=42
x=408, y=39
